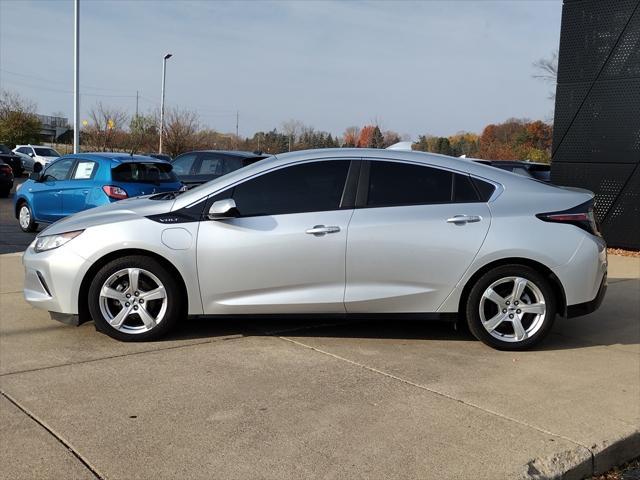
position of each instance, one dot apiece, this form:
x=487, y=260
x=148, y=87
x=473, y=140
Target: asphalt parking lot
x=12, y=239
x=280, y=399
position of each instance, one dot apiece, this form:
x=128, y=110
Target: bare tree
x=547, y=70
x=105, y=131
x=181, y=131
x=350, y=136
x=292, y=128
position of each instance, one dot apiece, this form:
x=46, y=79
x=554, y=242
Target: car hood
x=120, y=211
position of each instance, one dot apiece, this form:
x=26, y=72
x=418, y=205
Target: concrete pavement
x=278, y=399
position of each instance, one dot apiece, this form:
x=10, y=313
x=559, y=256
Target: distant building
x=596, y=138
x=52, y=129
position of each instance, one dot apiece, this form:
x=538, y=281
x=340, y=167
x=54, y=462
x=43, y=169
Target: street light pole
x=164, y=74
x=76, y=76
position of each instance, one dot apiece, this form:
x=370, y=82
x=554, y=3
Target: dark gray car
x=195, y=168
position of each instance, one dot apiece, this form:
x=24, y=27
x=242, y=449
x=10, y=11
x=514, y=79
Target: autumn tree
x=144, y=133
x=350, y=137
x=18, y=121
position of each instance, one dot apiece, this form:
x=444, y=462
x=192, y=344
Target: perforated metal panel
x=596, y=141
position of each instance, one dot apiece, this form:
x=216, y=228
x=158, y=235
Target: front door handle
x=462, y=219
x=319, y=230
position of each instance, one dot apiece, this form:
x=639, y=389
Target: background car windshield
x=46, y=152
x=144, y=172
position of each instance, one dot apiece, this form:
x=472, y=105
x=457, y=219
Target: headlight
x=49, y=242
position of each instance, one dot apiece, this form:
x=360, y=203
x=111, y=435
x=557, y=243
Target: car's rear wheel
x=25, y=218
x=511, y=307
x=135, y=298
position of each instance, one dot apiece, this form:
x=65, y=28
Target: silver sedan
x=349, y=232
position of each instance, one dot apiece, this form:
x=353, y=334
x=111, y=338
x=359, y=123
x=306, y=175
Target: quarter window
x=310, y=187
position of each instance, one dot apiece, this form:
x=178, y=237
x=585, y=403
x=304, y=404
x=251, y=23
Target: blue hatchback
x=77, y=182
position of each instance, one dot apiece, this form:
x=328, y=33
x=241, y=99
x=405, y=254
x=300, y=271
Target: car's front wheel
x=135, y=298
x=25, y=218
x=511, y=307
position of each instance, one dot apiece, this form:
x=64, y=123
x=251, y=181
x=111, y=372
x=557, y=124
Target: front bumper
x=52, y=279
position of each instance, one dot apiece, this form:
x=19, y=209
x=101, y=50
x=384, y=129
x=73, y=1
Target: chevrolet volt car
x=346, y=232
x=81, y=181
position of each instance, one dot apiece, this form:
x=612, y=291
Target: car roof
x=117, y=157
x=461, y=165
x=232, y=153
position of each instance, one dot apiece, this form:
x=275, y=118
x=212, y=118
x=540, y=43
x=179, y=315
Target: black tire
x=175, y=306
x=545, y=323
x=31, y=226
x=4, y=192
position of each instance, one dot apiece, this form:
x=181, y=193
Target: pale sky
x=433, y=67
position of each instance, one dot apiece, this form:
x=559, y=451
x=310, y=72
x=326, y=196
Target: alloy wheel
x=24, y=217
x=133, y=300
x=512, y=309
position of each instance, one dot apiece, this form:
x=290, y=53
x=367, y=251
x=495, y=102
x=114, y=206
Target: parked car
x=27, y=162
x=159, y=156
x=6, y=179
x=539, y=171
x=11, y=159
x=339, y=231
x=196, y=168
x=77, y=182
x=39, y=153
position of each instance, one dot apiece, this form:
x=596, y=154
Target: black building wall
x=596, y=139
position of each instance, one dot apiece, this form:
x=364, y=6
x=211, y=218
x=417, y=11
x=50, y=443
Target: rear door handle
x=319, y=230
x=85, y=192
x=462, y=219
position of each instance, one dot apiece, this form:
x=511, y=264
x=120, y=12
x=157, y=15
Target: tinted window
x=310, y=187
x=393, y=183
x=463, y=189
x=485, y=189
x=143, y=172
x=231, y=164
x=4, y=149
x=183, y=164
x=59, y=170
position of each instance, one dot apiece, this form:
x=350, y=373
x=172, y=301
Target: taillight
x=114, y=192
x=581, y=216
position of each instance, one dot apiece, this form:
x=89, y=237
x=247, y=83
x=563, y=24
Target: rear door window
x=394, y=184
x=144, y=172
x=85, y=170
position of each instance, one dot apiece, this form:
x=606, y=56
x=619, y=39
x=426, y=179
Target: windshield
x=46, y=152
x=4, y=149
x=143, y=172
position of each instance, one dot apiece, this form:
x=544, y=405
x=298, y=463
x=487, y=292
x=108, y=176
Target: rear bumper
x=592, y=305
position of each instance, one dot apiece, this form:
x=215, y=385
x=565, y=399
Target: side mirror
x=223, y=209
x=35, y=176
x=32, y=154
x=37, y=167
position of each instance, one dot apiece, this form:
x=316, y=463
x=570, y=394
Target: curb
x=582, y=462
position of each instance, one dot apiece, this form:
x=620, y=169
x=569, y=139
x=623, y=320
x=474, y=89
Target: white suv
x=39, y=153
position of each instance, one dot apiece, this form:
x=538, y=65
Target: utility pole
x=136, y=104
x=237, y=122
x=164, y=71
x=76, y=76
